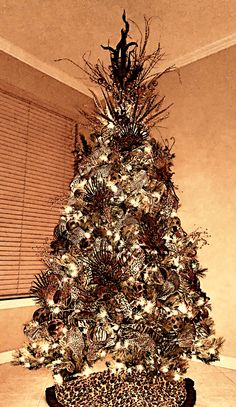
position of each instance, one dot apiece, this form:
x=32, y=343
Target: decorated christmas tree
x=123, y=277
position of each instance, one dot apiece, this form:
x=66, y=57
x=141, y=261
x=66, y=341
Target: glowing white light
x=68, y=209
x=58, y=379
x=135, y=246
x=182, y=308
x=176, y=376
x=126, y=343
x=118, y=345
x=64, y=257
x=103, y=157
x=56, y=310
x=112, y=186
x=156, y=194
x=176, y=261
x=78, y=215
x=174, y=312
x=122, y=197
x=45, y=347
x=142, y=301
x=117, y=237
x=57, y=362
x=119, y=366
x=121, y=243
x=148, y=149
x=73, y=269
x=74, y=273
x=164, y=369
x=81, y=184
x=87, y=371
x=103, y=314
x=134, y=202
x=167, y=238
x=149, y=307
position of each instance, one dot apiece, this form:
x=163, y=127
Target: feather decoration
x=45, y=286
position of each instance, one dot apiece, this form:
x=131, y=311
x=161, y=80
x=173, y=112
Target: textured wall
x=203, y=121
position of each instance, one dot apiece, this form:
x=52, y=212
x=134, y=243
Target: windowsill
x=17, y=303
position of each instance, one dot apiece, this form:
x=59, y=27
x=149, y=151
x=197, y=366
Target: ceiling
x=51, y=29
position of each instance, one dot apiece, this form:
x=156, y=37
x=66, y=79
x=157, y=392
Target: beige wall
x=12, y=321
x=203, y=121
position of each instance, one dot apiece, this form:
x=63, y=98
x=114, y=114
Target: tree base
x=191, y=393
x=189, y=402
x=51, y=397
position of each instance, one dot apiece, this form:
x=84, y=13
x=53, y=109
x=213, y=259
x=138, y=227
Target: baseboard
x=6, y=357
x=226, y=362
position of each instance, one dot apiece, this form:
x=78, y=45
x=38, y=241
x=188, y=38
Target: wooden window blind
x=36, y=166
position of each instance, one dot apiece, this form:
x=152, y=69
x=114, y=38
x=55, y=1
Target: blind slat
x=36, y=153
x=18, y=150
x=36, y=167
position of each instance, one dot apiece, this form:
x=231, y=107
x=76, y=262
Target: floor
x=20, y=387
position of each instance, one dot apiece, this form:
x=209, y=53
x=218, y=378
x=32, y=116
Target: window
x=36, y=166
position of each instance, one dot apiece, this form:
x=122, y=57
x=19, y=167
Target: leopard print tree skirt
x=106, y=389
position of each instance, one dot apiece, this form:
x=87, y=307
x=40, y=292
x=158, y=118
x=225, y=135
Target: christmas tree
x=123, y=277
